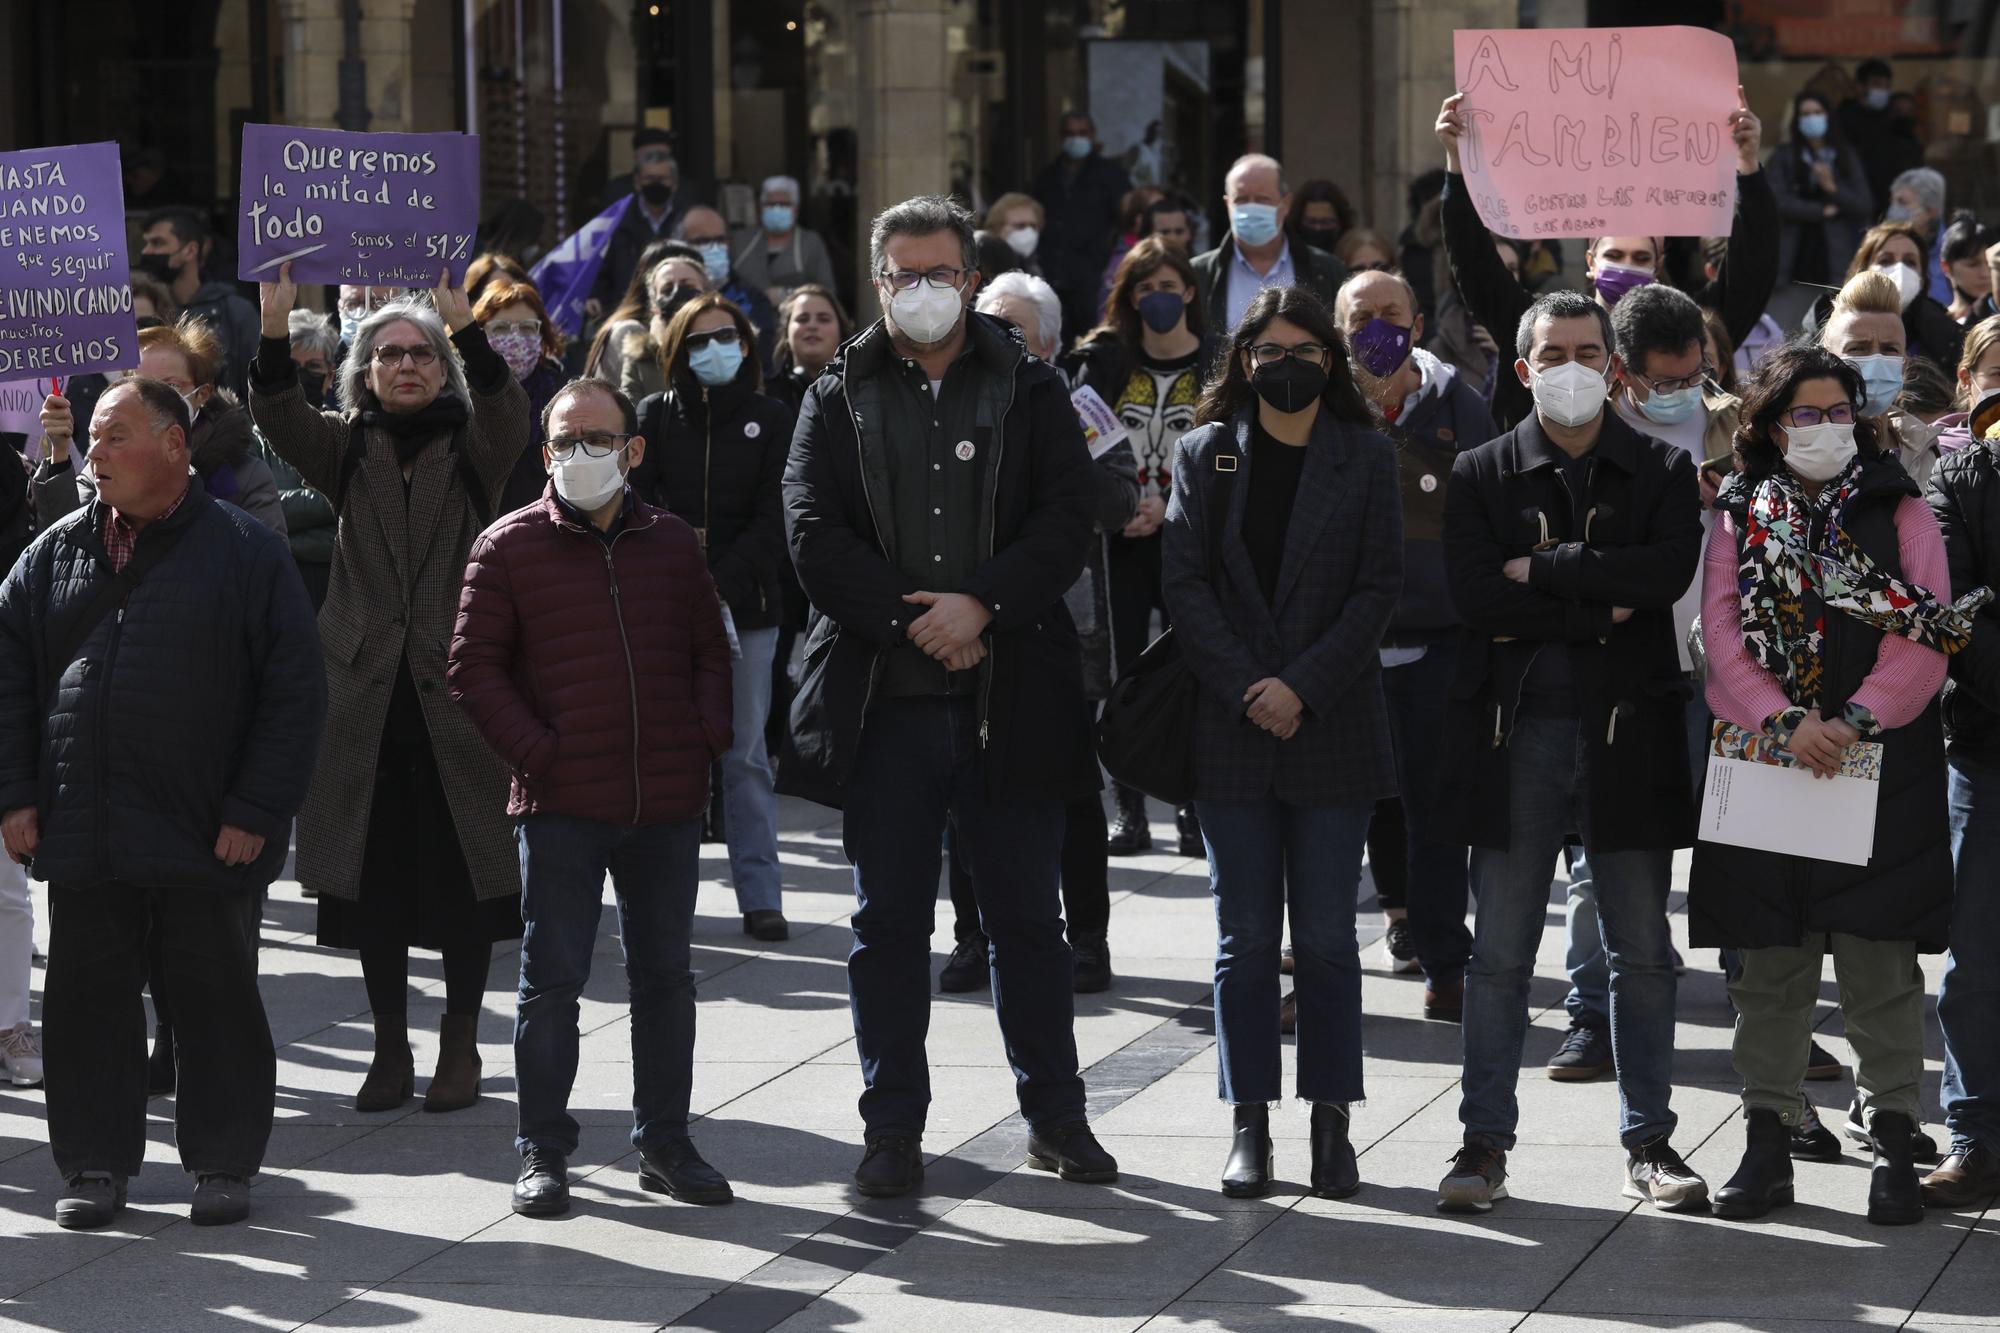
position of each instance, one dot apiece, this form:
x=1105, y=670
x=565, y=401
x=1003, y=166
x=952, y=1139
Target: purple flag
x=65, y=293
x=366, y=209
x=565, y=275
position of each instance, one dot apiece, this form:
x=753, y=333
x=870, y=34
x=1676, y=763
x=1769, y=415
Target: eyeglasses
x=652, y=157
x=944, y=279
x=1840, y=414
x=500, y=328
x=1270, y=354
x=1678, y=382
x=597, y=444
x=722, y=337
x=388, y=355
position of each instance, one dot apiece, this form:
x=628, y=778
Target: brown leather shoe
x=392, y=1075
x=455, y=1086
x=1447, y=1005
x=1964, y=1178
x=1288, y=1013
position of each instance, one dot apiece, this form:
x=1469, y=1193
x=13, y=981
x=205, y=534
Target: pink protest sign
x=1598, y=131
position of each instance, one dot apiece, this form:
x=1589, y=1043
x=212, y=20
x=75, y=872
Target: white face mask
x=1571, y=394
x=589, y=483
x=1023, y=240
x=1819, y=453
x=926, y=314
x=1909, y=283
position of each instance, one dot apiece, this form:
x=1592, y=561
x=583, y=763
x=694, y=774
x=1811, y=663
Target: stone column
x=1412, y=74
x=385, y=46
x=310, y=36
x=901, y=109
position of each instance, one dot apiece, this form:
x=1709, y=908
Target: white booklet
x=1757, y=795
x=1101, y=426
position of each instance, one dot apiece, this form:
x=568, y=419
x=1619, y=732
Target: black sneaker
x=675, y=1169
x=219, y=1200
x=1655, y=1173
x=1812, y=1141
x=89, y=1200
x=1923, y=1148
x=967, y=968
x=1399, y=955
x=1584, y=1054
x=1072, y=1152
x=1477, y=1177
x=891, y=1164
x=543, y=1188
x=1092, y=968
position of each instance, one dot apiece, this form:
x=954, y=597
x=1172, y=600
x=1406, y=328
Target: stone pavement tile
x=1226, y=1318
x=34, y=1250
x=1404, y=1254
x=1185, y=1102
x=1155, y=1171
x=226, y=1295
x=1544, y=1182
x=824, y=1097
x=1543, y=1322
x=1969, y=1290
x=805, y=1167
x=983, y=1254
x=441, y=1155
x=896, y=1310
x=1582, y=1113
x=502, y=1307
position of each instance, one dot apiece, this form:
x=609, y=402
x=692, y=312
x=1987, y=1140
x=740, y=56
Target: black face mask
x=1322, y=237
x=156, y=266
x=1289, y=385
x=314, y=386
x=656, y=193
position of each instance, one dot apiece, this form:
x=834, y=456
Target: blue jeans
x=919, y=766
x=1549, y=799
x=1435, y=897
x=654, y=870
x=1969, y=996
x=749, y=804
x=1256, y=851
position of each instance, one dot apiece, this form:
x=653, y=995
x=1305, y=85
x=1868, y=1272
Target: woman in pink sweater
x=1826, y=623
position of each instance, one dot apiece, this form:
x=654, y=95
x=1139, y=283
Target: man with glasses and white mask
x=939, y=502
x=590, y=652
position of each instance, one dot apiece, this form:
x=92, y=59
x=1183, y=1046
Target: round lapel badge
x=1427, y=483
x=964, y=451
x=751, y=430
x=1446, y=434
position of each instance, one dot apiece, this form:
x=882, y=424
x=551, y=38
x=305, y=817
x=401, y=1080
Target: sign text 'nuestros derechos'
x=65, y=284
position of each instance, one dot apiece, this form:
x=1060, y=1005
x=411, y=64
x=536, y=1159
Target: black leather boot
x=1188, y=826
x=1334, y=1173
x=1247, y=1174
x=1895, y=1194
x=1764, y=1180
x=1130, y=834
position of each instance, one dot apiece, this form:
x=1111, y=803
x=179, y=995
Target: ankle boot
x=1895, y=1195
x=1247, y=1174
x=455, y=1086
x=1130, y=833
x=160, y=1065
x=1764, y=1180
x=1334, y=1172
x=1188, y=826
x=392, y=1075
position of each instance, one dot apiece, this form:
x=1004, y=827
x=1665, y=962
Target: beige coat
x=393, y=591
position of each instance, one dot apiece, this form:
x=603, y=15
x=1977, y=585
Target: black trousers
x=1086, y=876
x=1134, y=587
x=96, y=1028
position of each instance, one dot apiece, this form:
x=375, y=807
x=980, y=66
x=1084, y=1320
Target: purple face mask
x=1614, y=280
x=1380, y=347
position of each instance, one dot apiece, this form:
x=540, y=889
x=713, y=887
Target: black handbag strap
x=1218, y=528
x=106, y=594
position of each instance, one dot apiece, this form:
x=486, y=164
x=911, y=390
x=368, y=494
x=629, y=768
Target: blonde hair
x=1980, y=339
x=1012, y=200
x=193, y=339
x=1871, y=292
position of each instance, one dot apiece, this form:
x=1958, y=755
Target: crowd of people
x=487, y=615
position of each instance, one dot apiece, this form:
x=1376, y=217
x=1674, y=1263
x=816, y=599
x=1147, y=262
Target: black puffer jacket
x=198, y=704
x=1965, y=496
x=715, y=458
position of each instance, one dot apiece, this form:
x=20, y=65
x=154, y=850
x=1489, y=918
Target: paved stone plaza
x=401, y=1219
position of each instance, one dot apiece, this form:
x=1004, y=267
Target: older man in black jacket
x=161, y=698
x=939, y=501
x=1567, y=542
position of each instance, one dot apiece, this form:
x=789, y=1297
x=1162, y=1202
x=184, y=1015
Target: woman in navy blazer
x=1283, y=559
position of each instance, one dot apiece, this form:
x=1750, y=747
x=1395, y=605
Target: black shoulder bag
x=1145, y=735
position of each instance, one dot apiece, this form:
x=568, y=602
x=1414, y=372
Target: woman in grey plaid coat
x=404, y=834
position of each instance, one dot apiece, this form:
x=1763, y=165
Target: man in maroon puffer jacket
x=591, y=653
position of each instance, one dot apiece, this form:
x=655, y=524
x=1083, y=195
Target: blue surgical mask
x=1254, y=224
x=1670, y=408
x=1881, y=378
x=1077, y=147
x=715, y=258
x=778, y=217
x=715, y=364
x=1812, y=125
x=1877, y=99
x=1899, y=213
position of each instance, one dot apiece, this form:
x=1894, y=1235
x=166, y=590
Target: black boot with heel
x=1247, y=1175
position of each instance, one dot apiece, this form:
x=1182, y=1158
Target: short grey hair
x=1037, y=293
x=413, y=309
x=1341, y=299
x=314, y=333
x=1561, y=304
x=772, y=183
x=1928, y=186
x=1250, y=162
x=925, y=215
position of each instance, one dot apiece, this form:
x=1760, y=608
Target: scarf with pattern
x=1786, y=583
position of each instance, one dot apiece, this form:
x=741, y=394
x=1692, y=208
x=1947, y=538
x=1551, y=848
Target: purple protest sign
x=65, y=294
x=369, y=209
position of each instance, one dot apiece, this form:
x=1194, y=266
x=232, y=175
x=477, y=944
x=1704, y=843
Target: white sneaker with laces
x=21, y=1056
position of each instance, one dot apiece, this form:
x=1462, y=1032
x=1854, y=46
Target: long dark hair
x=1142, y=261
x=1229, y=391
x=1769, y=395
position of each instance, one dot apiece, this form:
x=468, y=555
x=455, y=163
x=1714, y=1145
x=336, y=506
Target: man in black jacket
x=1079, y=194
x=1256, y=252
x=161, y=699
x=939, y=501
x=656, y=210
x=1567, y=542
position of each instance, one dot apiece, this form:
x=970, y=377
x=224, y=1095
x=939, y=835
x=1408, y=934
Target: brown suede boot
x=392, y=1076
x=455, y=1086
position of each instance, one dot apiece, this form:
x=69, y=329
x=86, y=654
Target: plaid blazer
x=1321, y=634
x=394, y=589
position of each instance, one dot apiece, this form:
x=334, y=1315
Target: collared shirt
x=120, y=536
x=1245, y=282
x=582, y=520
